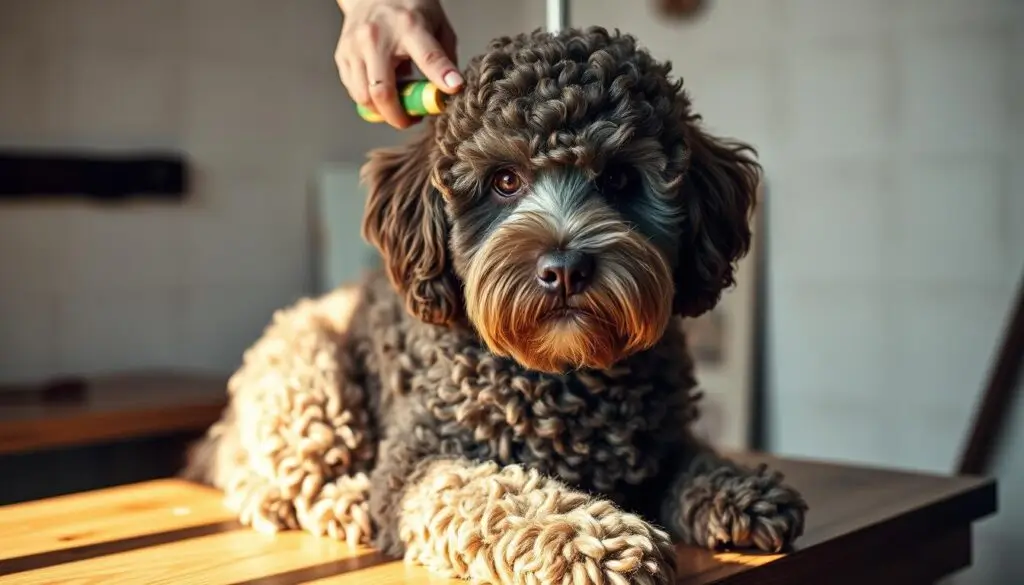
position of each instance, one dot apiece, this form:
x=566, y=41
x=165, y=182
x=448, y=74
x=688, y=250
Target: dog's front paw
x=728, y=507
x=512, y=526
x=338, y=509
x=593, y=542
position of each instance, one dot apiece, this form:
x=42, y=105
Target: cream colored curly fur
x=294, y=451
x=511, y=525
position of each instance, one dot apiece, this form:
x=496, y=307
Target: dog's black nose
x=566, y=272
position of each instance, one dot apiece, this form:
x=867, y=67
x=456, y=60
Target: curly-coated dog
x=510, y=399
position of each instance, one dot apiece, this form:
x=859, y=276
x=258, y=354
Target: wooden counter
x=80, y=412
x=865, y=526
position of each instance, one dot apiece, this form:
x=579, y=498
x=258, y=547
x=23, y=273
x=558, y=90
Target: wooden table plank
x=870, y=525
x=386, y=574
x=91, y=518
x=236, y=555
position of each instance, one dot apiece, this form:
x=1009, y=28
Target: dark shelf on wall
x=107, y=177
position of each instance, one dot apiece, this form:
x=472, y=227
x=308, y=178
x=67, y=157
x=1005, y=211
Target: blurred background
x=891, y=231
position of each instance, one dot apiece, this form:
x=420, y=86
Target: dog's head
x=565, y=205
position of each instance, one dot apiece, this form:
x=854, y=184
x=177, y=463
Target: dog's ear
x=719, y=192
x=405, y=220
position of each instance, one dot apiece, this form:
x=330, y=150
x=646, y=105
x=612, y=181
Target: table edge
x=975, y=503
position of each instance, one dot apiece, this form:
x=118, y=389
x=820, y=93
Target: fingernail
x=452, y=79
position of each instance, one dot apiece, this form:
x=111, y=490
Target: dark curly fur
x=458, y=385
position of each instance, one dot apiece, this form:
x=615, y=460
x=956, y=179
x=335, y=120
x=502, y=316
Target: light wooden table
x=865, y=526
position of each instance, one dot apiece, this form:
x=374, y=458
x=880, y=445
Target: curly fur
x=437, y=411
x=493, y=523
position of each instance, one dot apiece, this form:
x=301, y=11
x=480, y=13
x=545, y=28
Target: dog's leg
x=293, y=449
x=716, y=503
x=338, y=509
x=507, y=525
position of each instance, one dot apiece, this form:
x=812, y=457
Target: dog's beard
x=625, y=309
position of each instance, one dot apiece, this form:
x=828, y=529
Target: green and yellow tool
x=418, y=98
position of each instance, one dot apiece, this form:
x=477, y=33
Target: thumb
x=432, y=59
x=446, y=36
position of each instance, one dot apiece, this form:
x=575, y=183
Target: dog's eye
x=506, y=183
x=615, y=180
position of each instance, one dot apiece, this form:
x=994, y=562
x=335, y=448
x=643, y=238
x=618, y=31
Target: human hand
x=380, y=37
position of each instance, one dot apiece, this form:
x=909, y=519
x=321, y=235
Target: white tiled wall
x=248, y=90
x=892, y=132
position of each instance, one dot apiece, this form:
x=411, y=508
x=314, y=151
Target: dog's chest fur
x=445, y=392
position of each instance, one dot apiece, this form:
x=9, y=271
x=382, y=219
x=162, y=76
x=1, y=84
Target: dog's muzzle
x=566, y=282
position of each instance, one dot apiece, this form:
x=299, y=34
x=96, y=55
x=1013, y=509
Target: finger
x=376, y=50
x=383, y=92
x=340, y=62
x=352, y=71
x=432, y=59
x=449, y=41
x=343, y=73
x=356, y=82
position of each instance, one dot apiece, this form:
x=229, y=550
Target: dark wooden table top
x=864, y=526
x=77, y=412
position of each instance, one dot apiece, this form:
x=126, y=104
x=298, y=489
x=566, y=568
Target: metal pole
x=557, y=15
